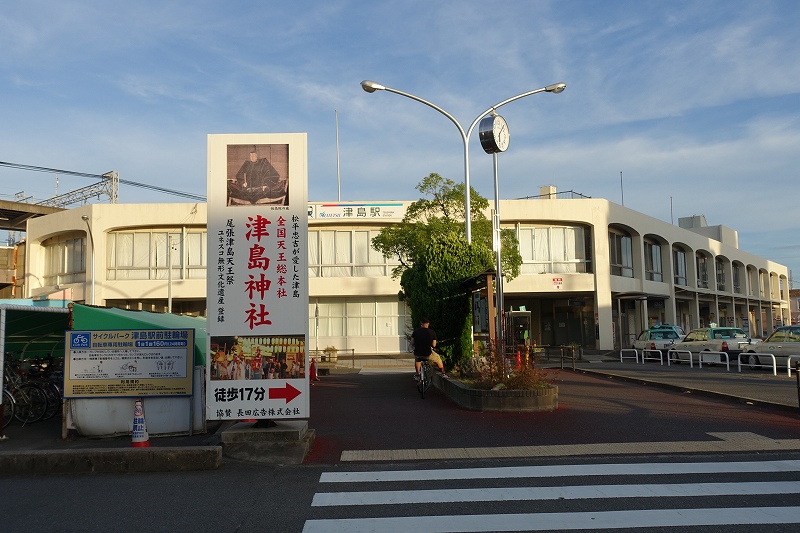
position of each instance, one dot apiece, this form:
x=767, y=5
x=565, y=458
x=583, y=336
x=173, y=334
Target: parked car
x=781, y=343
x=734, y=341
x=661, y=337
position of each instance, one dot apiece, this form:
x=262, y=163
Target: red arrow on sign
x=288, y=393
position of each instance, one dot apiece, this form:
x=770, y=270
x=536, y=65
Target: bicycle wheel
x=31, y=403
x=424, y=378
x=53, y=394
x=8, y=408
x=421, y=380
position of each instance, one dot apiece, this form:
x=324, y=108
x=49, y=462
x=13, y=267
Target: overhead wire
x=183, y=194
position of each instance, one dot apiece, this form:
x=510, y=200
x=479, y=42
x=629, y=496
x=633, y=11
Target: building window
x=144, y=255
x=346, y=253
x=702, y=271
x=620, y=247
x=737, y=274
x=720, y=270
x=679, y=265
x=652, y=262
x=342, y=317
x=554, y=250
x=65, y=261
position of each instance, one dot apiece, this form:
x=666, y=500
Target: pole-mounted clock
x=493, y=134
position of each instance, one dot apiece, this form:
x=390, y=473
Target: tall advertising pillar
x=257, y=364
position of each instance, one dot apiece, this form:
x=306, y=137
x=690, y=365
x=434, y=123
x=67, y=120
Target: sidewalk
x=38, y=448
x=757, y=387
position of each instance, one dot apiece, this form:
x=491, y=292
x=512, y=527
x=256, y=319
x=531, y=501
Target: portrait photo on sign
x=258, y=174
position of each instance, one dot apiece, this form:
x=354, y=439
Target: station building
x=594, y=273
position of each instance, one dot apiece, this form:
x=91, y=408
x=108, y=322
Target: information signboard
x=128, y=363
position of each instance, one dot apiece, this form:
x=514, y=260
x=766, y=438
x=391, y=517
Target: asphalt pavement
x=383, y=415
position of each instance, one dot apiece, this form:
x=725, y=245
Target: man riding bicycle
x=424, y=341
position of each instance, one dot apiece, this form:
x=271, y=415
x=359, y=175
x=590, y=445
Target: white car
x=782, y=343
x=658, y=338
x=733, y=341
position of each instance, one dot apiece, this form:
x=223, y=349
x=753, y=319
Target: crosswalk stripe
x=560, y=521
x=561, y=471
x=596, y=492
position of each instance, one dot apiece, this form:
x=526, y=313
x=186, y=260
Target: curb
x=111, y=460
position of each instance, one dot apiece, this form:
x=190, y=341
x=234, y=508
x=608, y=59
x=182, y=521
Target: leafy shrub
x=492, y=370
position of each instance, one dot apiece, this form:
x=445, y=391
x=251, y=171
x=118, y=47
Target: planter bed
x=498, y=400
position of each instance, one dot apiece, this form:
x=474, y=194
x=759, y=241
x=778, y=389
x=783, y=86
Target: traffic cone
x=139, y=436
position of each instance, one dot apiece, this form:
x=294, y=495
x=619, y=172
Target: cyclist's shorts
x=432, y=358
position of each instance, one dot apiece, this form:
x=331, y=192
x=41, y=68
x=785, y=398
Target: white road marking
x=560, y=521
x=596, y=492
x=561, y=471
x=727, y=442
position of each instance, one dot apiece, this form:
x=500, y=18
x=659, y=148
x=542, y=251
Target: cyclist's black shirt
x=423, y=342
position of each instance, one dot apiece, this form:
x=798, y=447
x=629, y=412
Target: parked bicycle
x=8, y=408
x=30, y=400
x=49, y=375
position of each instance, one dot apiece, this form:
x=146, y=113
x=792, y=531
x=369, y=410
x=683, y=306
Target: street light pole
x=371, y=86
x=498, y=300
x=85, y=218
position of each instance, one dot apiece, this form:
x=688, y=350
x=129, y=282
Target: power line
x=189, y=195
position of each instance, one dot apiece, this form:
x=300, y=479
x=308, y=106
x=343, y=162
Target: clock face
x=494, y=134
x=500, y=130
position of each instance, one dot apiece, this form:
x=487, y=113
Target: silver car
x=782, y=343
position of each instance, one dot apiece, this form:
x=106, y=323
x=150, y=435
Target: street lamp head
x=556, y=88
x=370, y=86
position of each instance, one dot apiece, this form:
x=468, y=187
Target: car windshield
x=779, y=335
x=664, y=334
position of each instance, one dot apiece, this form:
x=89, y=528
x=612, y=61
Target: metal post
x=797, y=376
x=169, y=272
x=498, y=306
x=85, y=218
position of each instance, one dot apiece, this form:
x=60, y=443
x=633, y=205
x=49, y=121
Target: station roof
x=13, y=215
x=35, y=331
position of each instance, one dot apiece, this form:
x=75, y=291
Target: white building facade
x=594, y=273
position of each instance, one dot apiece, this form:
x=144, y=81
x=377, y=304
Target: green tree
x=430, y=245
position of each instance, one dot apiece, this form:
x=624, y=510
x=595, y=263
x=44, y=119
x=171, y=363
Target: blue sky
x=696, y=103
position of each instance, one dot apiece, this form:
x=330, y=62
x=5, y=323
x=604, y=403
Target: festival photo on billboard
x=260, y=357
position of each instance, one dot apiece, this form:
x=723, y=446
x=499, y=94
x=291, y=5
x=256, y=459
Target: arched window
x=620, y=251
x=653, y=267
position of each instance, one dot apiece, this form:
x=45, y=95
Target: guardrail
x=774, y=363
x=701, y=356
x=646, y=351
x=676, y=352
x=718, y=359
x=574, y=355
x=789, y=363
x=635, y=354
x=333, y=357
